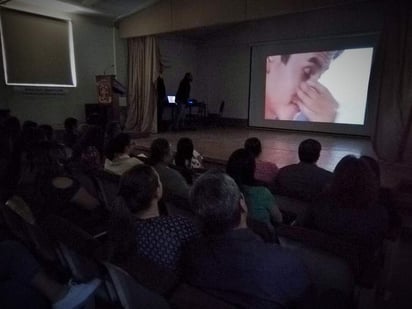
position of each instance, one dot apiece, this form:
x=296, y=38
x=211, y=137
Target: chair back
x=108, y=186
x=327, y=270
x=130, y=294
x=188, y=297
x=82, y=269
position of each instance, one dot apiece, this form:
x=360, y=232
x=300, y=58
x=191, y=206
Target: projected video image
x=320, y=86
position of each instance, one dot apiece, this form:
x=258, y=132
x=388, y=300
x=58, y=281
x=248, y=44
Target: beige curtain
x=143, y=68
x=392, y=138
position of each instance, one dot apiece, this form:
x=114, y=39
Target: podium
x=107, y=108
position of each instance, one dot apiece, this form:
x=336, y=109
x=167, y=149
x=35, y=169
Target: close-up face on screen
x=319, y=86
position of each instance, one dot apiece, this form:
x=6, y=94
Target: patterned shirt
x=161, y=239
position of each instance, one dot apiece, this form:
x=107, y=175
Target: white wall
x=226, y=55
x=94, y=42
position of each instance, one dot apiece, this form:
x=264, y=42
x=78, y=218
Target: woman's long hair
x=137, y=189
x=241, y=167
x=184, y=152
x=354, y=185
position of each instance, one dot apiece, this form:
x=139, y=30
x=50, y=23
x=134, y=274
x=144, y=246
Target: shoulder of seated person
x=62, y=182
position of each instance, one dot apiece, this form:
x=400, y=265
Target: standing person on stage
x=161, y=98
x=182, y=95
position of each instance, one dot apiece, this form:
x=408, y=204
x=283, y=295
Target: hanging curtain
x=392, y=136
x=143, y=68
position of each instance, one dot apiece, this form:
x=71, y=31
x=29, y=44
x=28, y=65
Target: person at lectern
x=293, y=90
x=182, y=95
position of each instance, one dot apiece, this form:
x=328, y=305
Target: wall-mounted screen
x=309, y=87
x=37, y=50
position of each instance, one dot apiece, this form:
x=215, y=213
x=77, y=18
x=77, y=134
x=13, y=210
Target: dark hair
x=254, y=146
x=285, y=58
x=13, y=127
x=188, y=75
x=373, y=164
x=93, y=136
x=241, y=167
x=137, y=188
x=112, y=130
x=215, y=199
x=354, y=184
x=184, y=151
x=159, y=149
x=48, y=131
x=29, y=124
x=309, y=150
x=70, y=123
x=117, y=145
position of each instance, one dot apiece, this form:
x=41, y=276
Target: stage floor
x=280, y=147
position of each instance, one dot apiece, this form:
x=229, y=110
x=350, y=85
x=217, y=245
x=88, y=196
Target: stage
x=280, y=147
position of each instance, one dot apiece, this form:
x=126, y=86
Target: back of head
x=12, y=126
x=241, y=167
x=137, y=188
x=184, y=151
x=70, y=123
x=112, y=130
x=117, y=145
x=309, y=151
x=48, y=131
x=159, y=151
x=215, y=198
x=254, y=146
x=373, y=164
x=354, y=184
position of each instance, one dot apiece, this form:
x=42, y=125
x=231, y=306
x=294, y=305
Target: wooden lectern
x=108, y=92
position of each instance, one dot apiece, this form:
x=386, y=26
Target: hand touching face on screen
x=292, y=87
x=316, y=102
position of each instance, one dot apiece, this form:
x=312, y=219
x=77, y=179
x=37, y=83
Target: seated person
x=118, y=160
x=137, y=227
x=265, y=170
x=187, y=159
x=160, y=158
x=70, y=134
x=386, y=198
x=233, y=264
x=349, y=209
x=260, y=201
x=305, y=180
x=22, y=280
x=48, y=189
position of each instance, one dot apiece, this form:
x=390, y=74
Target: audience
x=173, y=182
x=118, y=160
x=137, y=226
x=305, y=180
x=260, y=201
x=88, y=150
x=48, y=189
x=233, y=264
x=23, y=284
x=349, y=209
x=265, y=171
x=226, y=258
